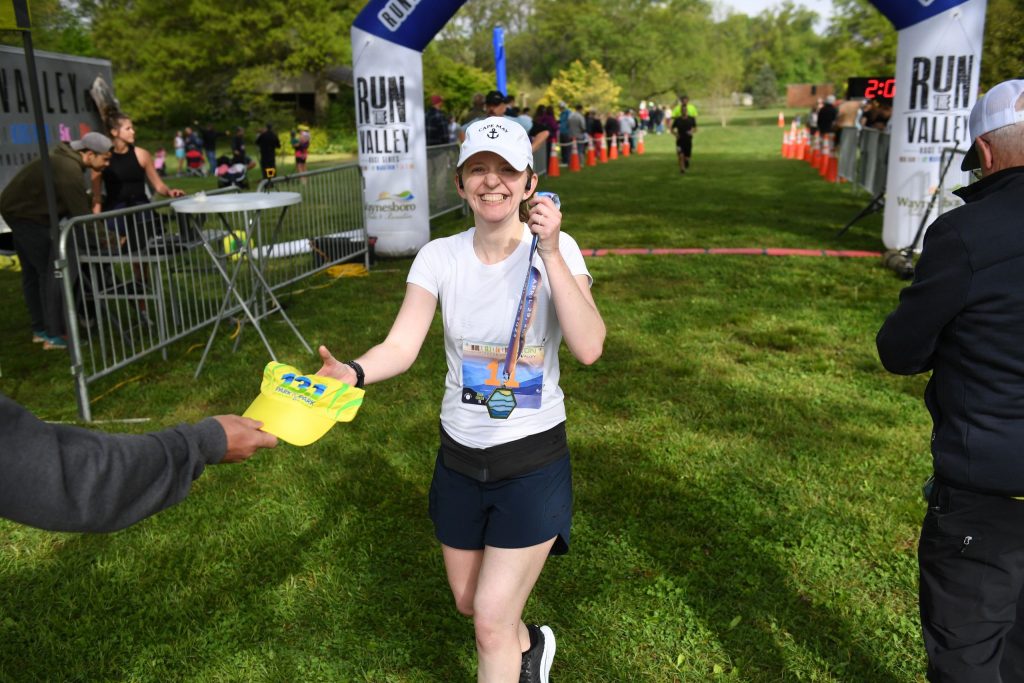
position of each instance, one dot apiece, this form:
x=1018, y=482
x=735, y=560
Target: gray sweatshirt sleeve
x=65, y=478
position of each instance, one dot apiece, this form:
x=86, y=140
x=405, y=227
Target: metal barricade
x=441, y=164
x=847, y=166
x=872, y=160
x=137, y=280
x=327, y=228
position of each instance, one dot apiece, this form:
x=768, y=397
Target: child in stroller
x=195, y=161
x=234, y=170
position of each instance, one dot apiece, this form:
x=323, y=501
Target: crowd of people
x=564, y=124
x=831, y=115
x=196, y=152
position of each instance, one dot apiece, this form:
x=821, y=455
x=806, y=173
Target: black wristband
x=360, y=375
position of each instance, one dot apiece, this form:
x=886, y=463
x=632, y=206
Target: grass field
x=747, y=476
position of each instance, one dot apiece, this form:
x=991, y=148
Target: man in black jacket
x=963, y=319
x=64, y=478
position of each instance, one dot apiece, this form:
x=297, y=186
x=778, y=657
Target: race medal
x=501, y=403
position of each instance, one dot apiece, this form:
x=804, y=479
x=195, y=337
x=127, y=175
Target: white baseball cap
x=1001, y=106
x=501, y=135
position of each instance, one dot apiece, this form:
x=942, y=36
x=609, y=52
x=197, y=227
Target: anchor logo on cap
x=493, y=134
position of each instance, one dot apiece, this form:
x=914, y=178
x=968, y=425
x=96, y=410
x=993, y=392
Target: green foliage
x=766, y=87
x=783, y=38
x=861, y=42
x=205, y=59
x=455, y=82
x=58, y=26
x=588, y=85
x=1003, y=53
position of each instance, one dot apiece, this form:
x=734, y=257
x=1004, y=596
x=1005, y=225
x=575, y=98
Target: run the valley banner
x=938, y=63
x=388, y=38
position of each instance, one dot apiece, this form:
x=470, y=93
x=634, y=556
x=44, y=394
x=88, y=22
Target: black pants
x=42, y=292
x=971, y=559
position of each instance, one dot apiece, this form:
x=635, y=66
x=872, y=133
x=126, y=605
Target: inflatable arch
x=938, y=68
x=388, y=38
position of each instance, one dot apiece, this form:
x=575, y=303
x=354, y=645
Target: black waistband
x=507, y=459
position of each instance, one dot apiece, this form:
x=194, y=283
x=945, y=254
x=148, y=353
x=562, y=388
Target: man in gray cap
x=963, y=319
x=23, y=207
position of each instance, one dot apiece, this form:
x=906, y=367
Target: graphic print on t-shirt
x=482, y=365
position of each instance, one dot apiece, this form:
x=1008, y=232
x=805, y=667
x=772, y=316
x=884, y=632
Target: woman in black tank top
x=129, y=170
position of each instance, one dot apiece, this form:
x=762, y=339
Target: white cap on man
x=1001, y=106
x=501, y=135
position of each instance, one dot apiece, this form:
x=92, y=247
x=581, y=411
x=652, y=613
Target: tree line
x=176, y=61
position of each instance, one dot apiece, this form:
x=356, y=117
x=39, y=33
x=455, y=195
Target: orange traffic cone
x=614, y=151
x=804, y=146
x=574, y=157
x=640, y=143
x=625, y=145
x=591, y=155
x=553, y=171
x=599, y=141
x=787, y=146
x=826, y=152
x=832, y=164
x=815, y=158
x=782, y=120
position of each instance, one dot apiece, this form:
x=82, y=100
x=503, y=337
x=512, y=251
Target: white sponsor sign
x=388, y=80
x=938, y=64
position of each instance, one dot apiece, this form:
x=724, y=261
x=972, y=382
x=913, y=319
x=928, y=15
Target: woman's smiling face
x=493, y=188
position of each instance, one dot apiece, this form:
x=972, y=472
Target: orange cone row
x=597, y=151
x=817, y=150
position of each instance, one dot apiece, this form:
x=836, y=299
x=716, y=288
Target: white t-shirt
x=478, y=305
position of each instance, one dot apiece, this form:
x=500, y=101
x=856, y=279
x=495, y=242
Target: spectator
x=160, y=162
x=268, y=143
x=545, y=120
x=300, y=143
x=436, y=122
x=494, y=105
x=627, y=127
x=64, y=478
x=179, y=152
x=477, y=110
x=812, y=117
x=238, y=142
x=192, y=140
x=961, y=319
x=578, y=129
x=23, y=206
x=564, y=137
x=210, y=135
x=657, y=118
x=611, y=130
x=827, y=115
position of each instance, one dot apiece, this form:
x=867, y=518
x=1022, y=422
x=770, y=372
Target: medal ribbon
x=517, y=340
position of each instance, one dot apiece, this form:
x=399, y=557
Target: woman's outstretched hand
x=332, y=367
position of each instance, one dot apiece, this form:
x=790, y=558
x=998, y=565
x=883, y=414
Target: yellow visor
x=300, y=408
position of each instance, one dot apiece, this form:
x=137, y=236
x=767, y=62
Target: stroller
x=195, y=161
x=233, y=171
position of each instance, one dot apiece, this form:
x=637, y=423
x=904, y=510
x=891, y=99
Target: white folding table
x=243, y=213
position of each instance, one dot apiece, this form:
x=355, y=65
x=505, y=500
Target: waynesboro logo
x=388, y=205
